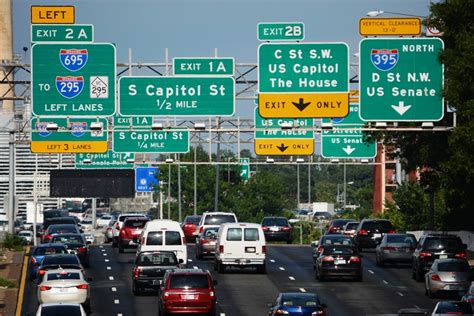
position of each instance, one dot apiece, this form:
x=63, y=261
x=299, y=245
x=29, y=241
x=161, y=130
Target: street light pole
x=169, y=192
x=344, y=186
x=179, y=189
x=195, y=182
x=298, y=184
x=309, y=183
x=380, y=12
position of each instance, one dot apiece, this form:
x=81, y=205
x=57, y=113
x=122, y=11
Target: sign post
x=401, y=79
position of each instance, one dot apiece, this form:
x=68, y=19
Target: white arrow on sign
x=401, y=108
x=243, y=172
x=348, y=149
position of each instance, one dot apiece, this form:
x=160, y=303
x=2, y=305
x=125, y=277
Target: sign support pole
x=195, y=182
x=94, y=212
x=11, y=185
x=179, y=188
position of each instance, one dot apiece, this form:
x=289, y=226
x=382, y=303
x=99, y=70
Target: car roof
x=218, y=213
x=335, y=236
x=49, y=245
x=300, y=294
x=67, y=270
x=61, y=255
x=189, y=271
x=135, y=218
x=240, y=224
x=62, y=225
x=155, y=251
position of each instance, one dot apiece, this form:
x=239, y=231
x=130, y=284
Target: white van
x=164, y=234
x=240, y=245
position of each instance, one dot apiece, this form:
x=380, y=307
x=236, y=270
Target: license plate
x=274, y=229
x=188, y=297
x=72, y=252
x=249, y=249
x=63, y=290
x=443, y=256
x=377, y=235
x=455, y=287
x=339, y=261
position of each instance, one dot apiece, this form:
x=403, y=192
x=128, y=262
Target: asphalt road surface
x=244, y=292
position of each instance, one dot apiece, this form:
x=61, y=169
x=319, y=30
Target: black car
x=435, y=246
x=75, y=244
x=277, y=228
x=38, y=253
x=330, y=240
x=65, y=261
x=150, y=267
x=369, y=233
x=61, y=220
x=339, y=261
x=53, y=230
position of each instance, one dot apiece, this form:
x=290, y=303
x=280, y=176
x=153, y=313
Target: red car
x=130, y=231
x=187, y=291
x=189, y=227
x=337, y=225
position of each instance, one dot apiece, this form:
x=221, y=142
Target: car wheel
x=220, y=267
x=359, y=278
x=262, y=269
x=418, y=275
x=120, y=248
x=135, y=289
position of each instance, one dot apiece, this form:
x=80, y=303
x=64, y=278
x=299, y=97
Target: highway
x=243, y=292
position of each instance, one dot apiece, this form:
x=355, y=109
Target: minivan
x=164, y=235
x=240, y=245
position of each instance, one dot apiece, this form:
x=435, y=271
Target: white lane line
x=222, y=314
x=281, y=268
x=190, y=260
x=109, y=268
x=116, y=302
x=101, y=246
x=111, y=278
x=119, y=314
x=302, y=290
x=370, y=271
x=106, y=260
x=291, y=278
x=114, y=289
x=104, y=254
x=272, y=261
x=195, y=267
x=416, y=306
x=103, y=250
x=384, y=281
x=400, y=293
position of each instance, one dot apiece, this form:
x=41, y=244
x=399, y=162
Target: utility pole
x=169, y=192
x=195, y=182
x=179, y=189
x=298, y=184
x=216, y=195
x=11, y=185
x=309, y=183
x=344, y=186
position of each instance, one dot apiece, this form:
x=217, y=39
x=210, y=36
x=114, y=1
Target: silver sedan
x=395, y=248
x=448, y=276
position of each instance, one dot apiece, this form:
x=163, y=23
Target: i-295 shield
x=73, y=59
x=384, y=59
x=70, y=87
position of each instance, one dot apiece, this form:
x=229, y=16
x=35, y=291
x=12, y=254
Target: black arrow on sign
x=301, y=105
x=282, y=147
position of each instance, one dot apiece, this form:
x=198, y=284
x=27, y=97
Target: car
x=104, y=220
x=452, y=307
x=277, y=228
x=38, y=253
x=395, y=248
x=150, y=267
x=469, y=296
x=370, y=232
x=350, y=228
x=26, y=236
x=330, y=240
x=59, y=229
x=215, y=219
x=119, y=223
x=64, y=286
x=61, y=220
x=189, y=227
x=130, y=232
x=86, y=224
x=75, y=244
x=206, y=242
x=336, y=226
x=53, y=262
x=56, y=309
x=322, y=217
x=296, y=303
x=109, y=232
x=435, y=246
x=187, y=291
x=90, y=238
x=339, y=261
x=448, y=276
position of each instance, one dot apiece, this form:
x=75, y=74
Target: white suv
x=215, y=219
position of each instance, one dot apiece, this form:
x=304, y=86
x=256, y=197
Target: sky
x=190, y=28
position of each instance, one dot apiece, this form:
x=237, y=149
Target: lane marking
x=101, y=246
x=291, y=278
x=302, y=290
x=116, y=302
x=281, y=268
x=119, y=314
x=103, y=250
x=114, y=289
x=272, y=261
x=222, y=314
x=195, y=267
x=106, y=260
x=111, y=278
x=190, y=260
x=21, y=293
x=109, y=268
x=400, y=293
x=384, y=281
x=416, y=306
x=104, y=254
x=370, y=271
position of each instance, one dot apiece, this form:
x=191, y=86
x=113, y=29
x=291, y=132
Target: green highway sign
x=346, y=139
x=245, y=169
x=73, y=79
x=198, y=66
x=135, y=121
x=401, y=79
x=176, y=96
x=283, y=31
x=107, y=160
x=303, y=67
x=274, y=125
x=62, y=33
x=148, y=141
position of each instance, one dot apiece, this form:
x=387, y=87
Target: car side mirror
x=180, y=261
x=215, y=282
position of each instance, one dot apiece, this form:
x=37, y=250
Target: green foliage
x=311, y=232
x=7, y=283
x=12, y=242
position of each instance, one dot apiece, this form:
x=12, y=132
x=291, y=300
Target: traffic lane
x=30, y=298
x=240, y=292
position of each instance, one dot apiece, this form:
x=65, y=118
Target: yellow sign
x=42, y=14
x=284, y=147
x=67, y=147
x=303, y=105
x=354, y=96
x=389, y=26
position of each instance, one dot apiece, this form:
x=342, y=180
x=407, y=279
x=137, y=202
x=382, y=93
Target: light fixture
x=169, y=160
x=96, y=126
x=380, y=12
x=326, y=125
x=334, y=160
x=52, y=127
x=270, y=160
x=200, y=126
x=157, y=126
x=286, y=125
x=299, y=160
x=381, y=124
x=374, y=13
x=427, y=125
x=86, y=161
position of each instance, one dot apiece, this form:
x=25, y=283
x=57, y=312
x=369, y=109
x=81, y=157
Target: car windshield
x=106, y=217
x=25, y=234
x=53, y=260
x=338, y=251
x=62, y=229
x=453, y=266
x=157, y=259
x=341, y=222
x=189, y=281
x=351, y=226
x=219, y=219
x=193, y=220
x=401, y=239
x=442, y=243
x=454, y=308
x=338, y=240
x=87, y=221
x=297, y=300
x=135, y=223
x=61, y=310
x=382, y=225
x=49, y=251
x=68, y=239
x=275, y=222
x=64, y=276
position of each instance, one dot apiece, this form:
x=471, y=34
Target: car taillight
x=33, y=260
x=328, y=259
x=44, y=288
x=425, y=254
x=123, y=233
x=471, y=300
x=264, y=228
x=320, y=249
x=201, y=229
x=82, y=250
x=221, y=248
x=354, y=259
x=435, y=277
x=117, y=226
x=137, y=271
x=388, y=248
x=285, y=228
x=392, y=231
x=264, y=249
x=166, y=294
x=461, y=255
x=333, y=229
x=42, y=272
x=362, y=232
x=83, y=286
